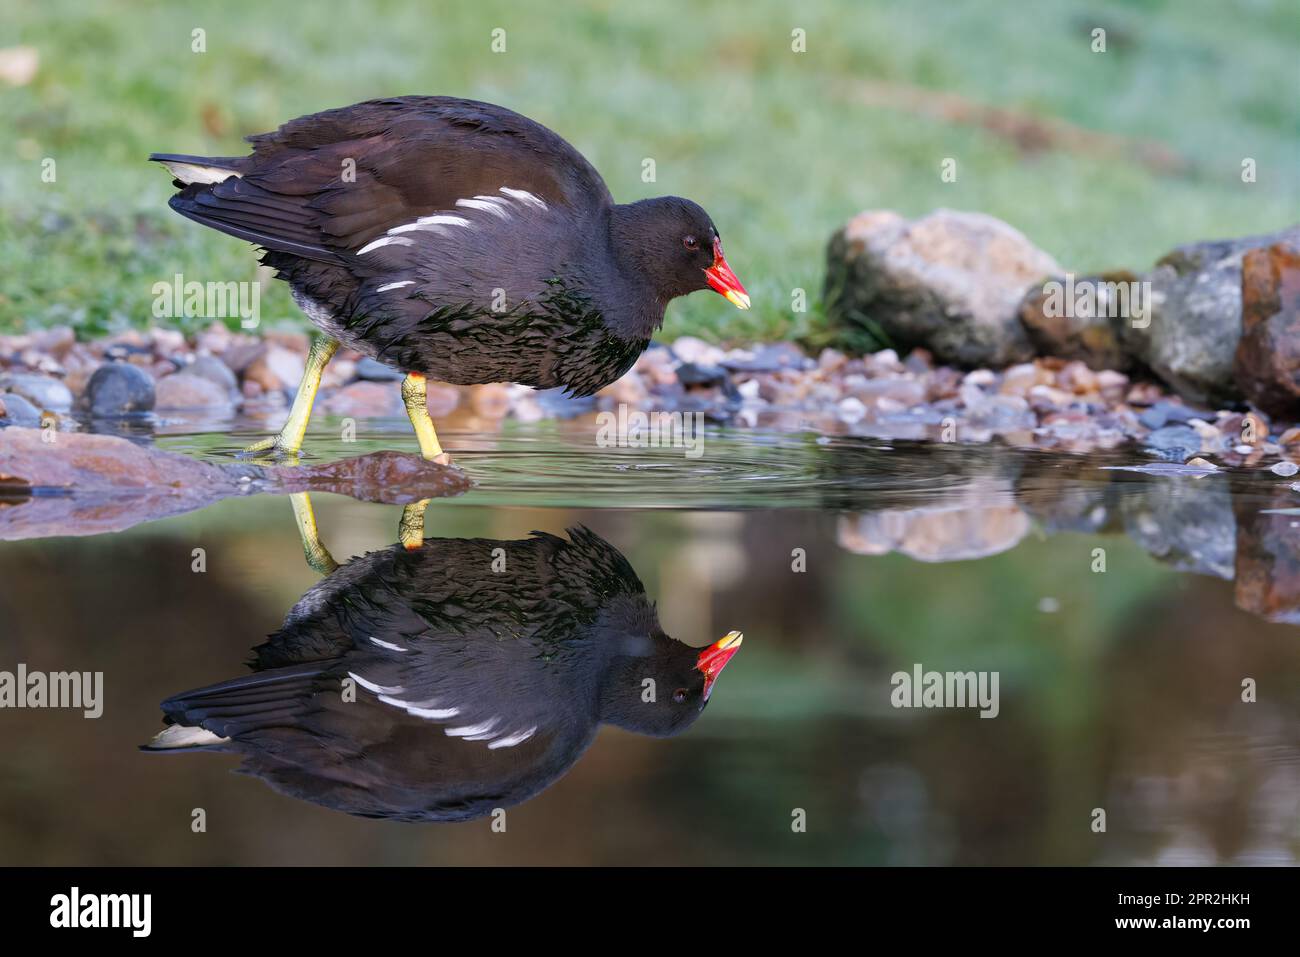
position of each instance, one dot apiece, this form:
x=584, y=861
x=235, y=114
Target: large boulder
x=951, y=282
x=1190, y=337
x=1267, y=360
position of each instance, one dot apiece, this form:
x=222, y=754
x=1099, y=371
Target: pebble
x=1284, y=468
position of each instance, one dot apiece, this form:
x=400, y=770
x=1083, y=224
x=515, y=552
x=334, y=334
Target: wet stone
x=118, y=388
x=42, y=391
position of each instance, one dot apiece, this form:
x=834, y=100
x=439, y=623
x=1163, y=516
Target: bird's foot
x=271, y=451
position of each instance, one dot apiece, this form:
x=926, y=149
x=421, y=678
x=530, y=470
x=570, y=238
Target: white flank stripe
x=474, y=732
x=523, y=196
x=386, y=644
x=433, y=714
x=371, y=686
x=519, y=737
x=384, y=288
x=384, y=241
x=488, y=204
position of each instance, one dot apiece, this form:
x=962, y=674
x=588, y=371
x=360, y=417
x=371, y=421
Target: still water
x=1138, y=629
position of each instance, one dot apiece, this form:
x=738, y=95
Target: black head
x=672, y=245
x=658, y=686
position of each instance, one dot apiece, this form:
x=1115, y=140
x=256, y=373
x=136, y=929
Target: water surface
x=1122, y=612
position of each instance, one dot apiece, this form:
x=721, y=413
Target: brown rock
x=366, y=400
x=951, y=282
x=276, y=369
x=441, y=398
x=185, y=390
x=492, y=401
x=1267, y=361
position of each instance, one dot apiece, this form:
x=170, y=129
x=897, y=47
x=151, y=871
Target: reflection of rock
x=976, y=521
x=104, y=483
x=1187, y=522
x=1268, y=558
x=1268, y=356
x=1195, y=319
x=1066, y=494
x=950, y=281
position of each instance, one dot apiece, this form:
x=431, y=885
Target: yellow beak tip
x=738, y=299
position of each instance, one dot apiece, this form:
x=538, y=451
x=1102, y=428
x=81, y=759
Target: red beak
x=723, y=280
x=715, y=657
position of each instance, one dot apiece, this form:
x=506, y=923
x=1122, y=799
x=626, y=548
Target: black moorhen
x=474, y=689
x=454, y=239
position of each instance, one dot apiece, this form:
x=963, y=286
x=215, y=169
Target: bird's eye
x=679, y=695
x=690, y=242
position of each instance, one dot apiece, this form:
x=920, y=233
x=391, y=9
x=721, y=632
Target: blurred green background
x=1104, y=159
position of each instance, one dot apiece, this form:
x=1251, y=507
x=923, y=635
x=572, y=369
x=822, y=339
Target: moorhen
x=453, y=239
x=478, y=671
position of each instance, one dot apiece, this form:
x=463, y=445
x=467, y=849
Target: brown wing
x=324, y=186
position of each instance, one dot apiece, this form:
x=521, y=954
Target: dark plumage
x=458, y=240
x=475, y=688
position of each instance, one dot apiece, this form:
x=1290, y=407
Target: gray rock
x=118, y=388
x=1195, y=319
x=372, y=370
x=951, y=282
x=215, y=371
x=1176, y=443
x=18, y=411
x=40, y=390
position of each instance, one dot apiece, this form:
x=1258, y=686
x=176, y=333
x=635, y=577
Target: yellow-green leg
x=415, y=396
x=411, y=529
x=289, y=441
x=318, y=556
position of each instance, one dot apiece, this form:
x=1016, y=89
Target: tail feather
x=212, y=716
x=199, y=169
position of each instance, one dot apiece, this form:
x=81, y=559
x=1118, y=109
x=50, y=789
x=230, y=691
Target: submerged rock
x=105, y=483
x=951, y=282
x=1267, y=360
x=118, y=388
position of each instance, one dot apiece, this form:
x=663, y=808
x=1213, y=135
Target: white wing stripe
x=384, y=241
x=519, y=737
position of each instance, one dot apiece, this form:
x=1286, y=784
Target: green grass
x=775, y=144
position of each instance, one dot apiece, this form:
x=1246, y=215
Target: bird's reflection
x=440, y=679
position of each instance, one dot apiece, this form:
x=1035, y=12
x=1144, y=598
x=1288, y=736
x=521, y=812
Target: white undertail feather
x=181, y=736
x=194, y=173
